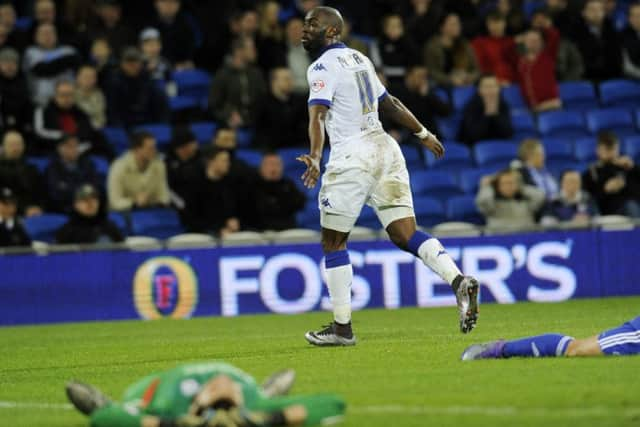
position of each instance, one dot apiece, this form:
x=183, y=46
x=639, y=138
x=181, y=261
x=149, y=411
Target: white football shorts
x=369, y=170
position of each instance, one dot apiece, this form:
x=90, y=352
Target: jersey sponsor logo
x=325, y=203
x=165, y=287
x=317, y=85
x=319, y=67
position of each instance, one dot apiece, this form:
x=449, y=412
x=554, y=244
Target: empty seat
x=179, y=103
x=244, y=137
x=116, y=137
x=244, y=238
x=456, y=229
x=190, y=240
x=289, y=156
x=296, y=235
x=513, y=96
x=494, y=153
x=193, y=83
x=429, y=211
x=309, y=217
x=456, y=156
x=43, y=227
x=463, y=208
x=39, y=163
x=412, y=155
x=558, y=149
x=438, y=184
x=368, y=218
x=461, y=95
x=620, y=93
x=585, y=149
x=160, y=131
x=251, y=157
x=158, y=223
x=101, y=164
x=142, y=243
x=523, y=125
x=617, y=120
x=631, y=147
x=203, y=131
x=568, y=124
x=558, y=168
x=579, y=95
x=469, y=179
x=120, y=221
x=449, y=126
x=362, y=233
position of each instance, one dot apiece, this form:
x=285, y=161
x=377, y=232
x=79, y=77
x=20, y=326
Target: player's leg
x=309, y=410
x=547, y=345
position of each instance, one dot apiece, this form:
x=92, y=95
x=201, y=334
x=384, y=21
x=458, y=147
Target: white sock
x=434, y=256
x=339, y=283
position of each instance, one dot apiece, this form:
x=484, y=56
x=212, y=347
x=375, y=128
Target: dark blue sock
x=548, y=345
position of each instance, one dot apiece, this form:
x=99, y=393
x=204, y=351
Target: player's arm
x=393, y=108
x=317, y=116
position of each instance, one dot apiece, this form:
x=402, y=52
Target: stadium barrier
x=230, y=281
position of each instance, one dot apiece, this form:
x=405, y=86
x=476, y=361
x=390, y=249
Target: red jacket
x=495, y=56
x=537, y=78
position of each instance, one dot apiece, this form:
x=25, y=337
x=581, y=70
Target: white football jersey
x=345, y=80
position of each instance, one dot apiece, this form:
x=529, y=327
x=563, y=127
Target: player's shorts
x=624, y=340
x=366, y=170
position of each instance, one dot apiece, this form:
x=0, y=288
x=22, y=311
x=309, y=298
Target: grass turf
x=405, y=371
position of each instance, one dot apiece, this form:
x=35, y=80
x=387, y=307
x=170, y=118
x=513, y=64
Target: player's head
x=322, y=26
x=608, y=148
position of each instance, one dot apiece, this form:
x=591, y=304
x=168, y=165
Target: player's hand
x=433, y=145
x=311, y=175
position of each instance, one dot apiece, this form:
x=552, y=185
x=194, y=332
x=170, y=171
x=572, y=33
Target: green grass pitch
x=405, y=371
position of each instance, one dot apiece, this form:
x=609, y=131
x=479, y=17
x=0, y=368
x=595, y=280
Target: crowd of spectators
x=71, y=69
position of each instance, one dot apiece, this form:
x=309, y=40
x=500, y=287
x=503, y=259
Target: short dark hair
x=608, y=139
x=138, y=138
x=211, y=153
x=239, y=43
x=495, y=16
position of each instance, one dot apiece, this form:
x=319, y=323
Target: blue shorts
x=623, y=340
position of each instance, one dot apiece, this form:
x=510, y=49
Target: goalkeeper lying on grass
x=206, y=395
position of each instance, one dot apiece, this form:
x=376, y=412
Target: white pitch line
x=491, y=411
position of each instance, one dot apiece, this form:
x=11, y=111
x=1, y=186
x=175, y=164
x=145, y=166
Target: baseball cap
x=86, y=191
x=7, y=195
x=149, y=33
x=9, y=54
x=131, y=54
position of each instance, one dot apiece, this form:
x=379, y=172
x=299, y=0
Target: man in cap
x=12, y=232
x=87, y=223
x=158, y=67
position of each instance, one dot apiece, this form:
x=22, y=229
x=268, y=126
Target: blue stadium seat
x=558, y=168
x=461, y=95
x=412, y=155
x=43, y=227
x=585, y=149
x=194, y=83
x=568, y=124
x=179, y=103
x=158, y=223
x=449, y=126
x=116, y=137
x=494, y=153
x=102, y=166
x=429, y=211
x=617, y=120
x=204, y=131
x=523, y=125
x=160, y=131
x=442, y=94
x=631, y=147
x=469, y=179
x=463, y=208
x=23, y=23
x=368, y=218
x=249, y=156
x=456, y=156
x=620, y=93
x=579, y=95
x=244, y=137
x=289, y=156
x=558, y=149
x=437, y=184
x=120, y=221
x=309, y=217
x=39, y=163
x=514, y=98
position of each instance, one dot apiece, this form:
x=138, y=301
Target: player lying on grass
x=206, y=395
x=623, y=340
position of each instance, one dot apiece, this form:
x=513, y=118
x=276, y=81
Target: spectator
x=227, y=139
x=531, y=165
x=109, y=25
x=536, y=68
x=4, y=36
x=506, y=203
x=512, y=11
x=45, y=13
x=487, y=115
x=184, y=170
x=631, y=43
x=88, y=225
x=422, y=19
x=394, y=50
x=276, y=198
x=353, y=42
x=562, y=15
x=62, y=116
x=297, y=58
x=417, y=95
x=12, y=232
x=132, y=97
x=238, y=89
x=67, y=172
x=158, y=67
x=449, y=56
x=178, y=39
x=18, y=175
x=46, y=63
x=495, y=50
x=569, y=64
x=138, y=179
x=598, y=43
x=469, y=13
x=614, y=180
x=89, y=97
x=17, y=39
x=15, y=105
x=283, y=121
x=100, y=56
x=571, y=204
x=270, y=37
x=215, y=207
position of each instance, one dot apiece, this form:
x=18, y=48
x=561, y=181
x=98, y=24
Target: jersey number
x=366, y=92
